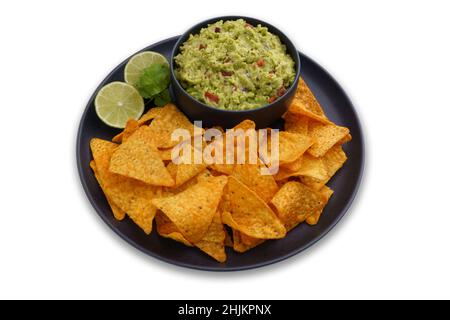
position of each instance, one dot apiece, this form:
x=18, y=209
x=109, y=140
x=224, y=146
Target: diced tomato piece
x=227, y=73
x=217, y=30
x=260, y=62
x=281, y=91
x=212, y=97
x=272, y=99
x=202, y=46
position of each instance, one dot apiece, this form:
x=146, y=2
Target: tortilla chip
x=295, y=202
x=310, y=167
x=242, y=242
x=151, y=113
x=170, y=191
x=250, y=175
x=314, y=218
x=183, y=172
x=249, y=214
x=305, y=104
x=283, y=174
x=245, y=125
x=130, y=128
x=138, y=158
x=325, y=136
x=294, y=165
x=292, y=146
x=168, y=229
x=165, y=154
x=345, y=139
x=333, y=160
x=295, y=123
x=132, y=196
x=220, y=146
x=118, y=213
x=193, y=209
x=168, y=120
x=213, y=242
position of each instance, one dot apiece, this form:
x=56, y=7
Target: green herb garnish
x=153, y=82
x=162, y=98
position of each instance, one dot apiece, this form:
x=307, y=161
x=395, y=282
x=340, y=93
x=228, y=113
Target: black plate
x=345, y=184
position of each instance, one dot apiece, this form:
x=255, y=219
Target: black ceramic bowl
x=263, y=116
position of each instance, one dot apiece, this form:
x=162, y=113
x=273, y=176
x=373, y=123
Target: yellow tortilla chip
x=305, y=104
x=242, y=242
x=138, y=158
x=283, y=174
x=295, y=202
x=168, y=229
x=193, y=209
x=130, y=128
x=171, y=191
x=165, y=154
x=185, y=171
x=249, y=214
x=310, y=167
x=118, y=213
x=151, y=113
x=325, y=137
x=326, y=195
x=213, y=242
x=292, y=146
x=250, y=175
x=345, y=139
x=132, y=196
x=220, y=146
x=167, y=121
x=333, y=160
x=295, y=123
x=245, y=125
x=294, y=165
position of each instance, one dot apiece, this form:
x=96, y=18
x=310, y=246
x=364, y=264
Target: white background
x=391, y=57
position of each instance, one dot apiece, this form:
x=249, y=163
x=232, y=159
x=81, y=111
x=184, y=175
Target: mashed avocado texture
x=234, y=65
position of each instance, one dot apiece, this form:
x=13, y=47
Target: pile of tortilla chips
x=192, y=203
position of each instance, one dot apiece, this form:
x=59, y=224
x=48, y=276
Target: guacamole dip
x=234, y=65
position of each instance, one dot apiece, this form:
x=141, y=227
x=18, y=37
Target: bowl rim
x=271, y=28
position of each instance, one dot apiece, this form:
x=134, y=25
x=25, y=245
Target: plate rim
x=219, y=268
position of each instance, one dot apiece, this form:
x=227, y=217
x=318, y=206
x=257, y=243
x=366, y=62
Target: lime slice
x=139, y=62
x=117, y=102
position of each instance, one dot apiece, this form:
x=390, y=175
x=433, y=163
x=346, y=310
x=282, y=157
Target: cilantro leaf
x=153, y=80
x=162, y=98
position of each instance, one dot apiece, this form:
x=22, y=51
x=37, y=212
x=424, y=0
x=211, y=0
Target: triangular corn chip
x=249, y=214
x=118, y=213
x=132, y=196
x=250, y=175
x=314, y=218
x=325, y=137
x=193, y=209
x=295, y=202
x=169, y=119
x=139, y=159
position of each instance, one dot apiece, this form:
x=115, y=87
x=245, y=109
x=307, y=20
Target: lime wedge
x=117, y=102
x=139, y=62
